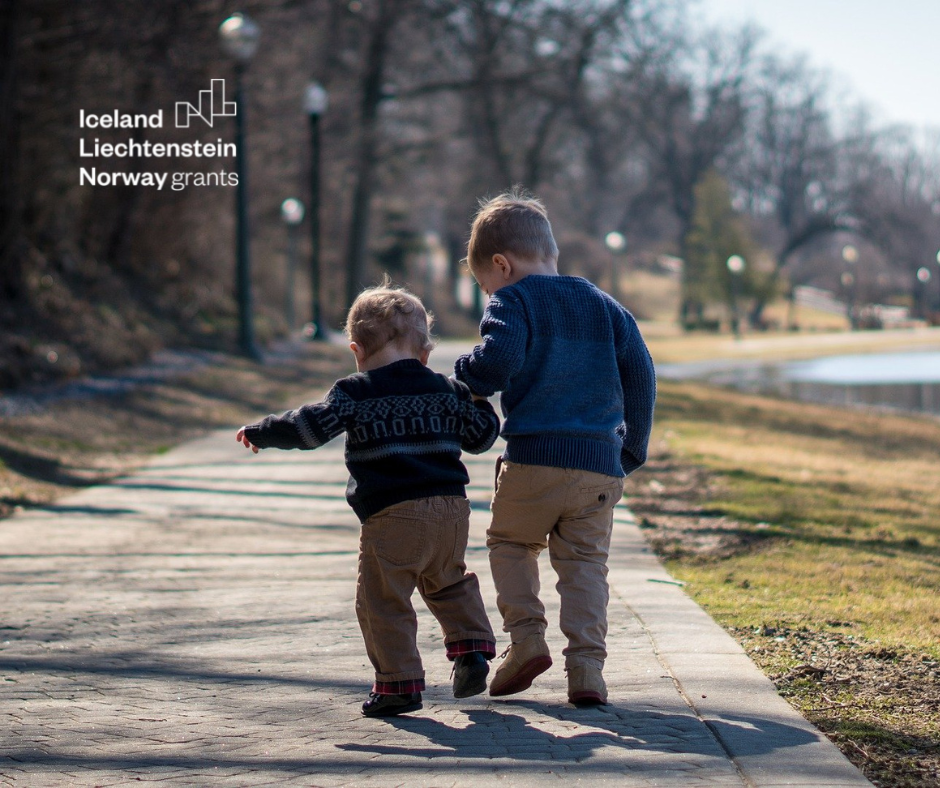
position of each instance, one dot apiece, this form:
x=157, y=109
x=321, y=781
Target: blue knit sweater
x=577, y=380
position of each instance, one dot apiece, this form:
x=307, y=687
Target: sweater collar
x=404, y=365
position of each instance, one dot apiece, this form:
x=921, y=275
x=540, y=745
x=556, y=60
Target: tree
x=788, y=169
x=716, y=234
x=689, y=123
x=10, y=205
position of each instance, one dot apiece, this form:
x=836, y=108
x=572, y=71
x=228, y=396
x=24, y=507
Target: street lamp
x=292, y=213
x=923, y=276
x=938, y=280
x=239, y=38
x=316, y=101
x=616, y=242
x=736, y=267
x=850, y=281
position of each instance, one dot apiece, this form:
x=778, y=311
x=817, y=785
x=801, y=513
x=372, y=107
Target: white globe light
x=316, y=99
x=735, y=264
x=615, y=241
x=239, y=36
x=292, y=211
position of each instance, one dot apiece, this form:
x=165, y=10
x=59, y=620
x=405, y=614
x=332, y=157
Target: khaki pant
x=570, y=512
x=416, y=544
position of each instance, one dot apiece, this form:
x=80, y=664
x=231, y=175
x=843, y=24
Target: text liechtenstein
x=146, y=148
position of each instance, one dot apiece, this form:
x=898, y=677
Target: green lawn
x=844, y=506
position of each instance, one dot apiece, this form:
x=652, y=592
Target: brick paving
x=193, y=624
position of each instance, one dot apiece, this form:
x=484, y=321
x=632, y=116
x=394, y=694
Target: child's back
x=570, y=363
x=578, y=388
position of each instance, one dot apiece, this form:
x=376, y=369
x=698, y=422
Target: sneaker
x=390, y=705
x=470, y=672
x=524, y=661
x=586, y=686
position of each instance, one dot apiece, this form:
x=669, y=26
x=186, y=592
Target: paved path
x=193, y=625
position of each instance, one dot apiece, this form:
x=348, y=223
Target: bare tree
x=689, y=122
x=788, y=166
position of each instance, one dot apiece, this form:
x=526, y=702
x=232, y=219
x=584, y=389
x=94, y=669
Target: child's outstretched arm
x=501, y=354
x=308, y=427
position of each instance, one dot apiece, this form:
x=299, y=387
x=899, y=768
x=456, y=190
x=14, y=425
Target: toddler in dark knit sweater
x=405, y=428
x=578, y=389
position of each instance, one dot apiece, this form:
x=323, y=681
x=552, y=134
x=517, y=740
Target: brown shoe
x=524, y=661
x=586, y=686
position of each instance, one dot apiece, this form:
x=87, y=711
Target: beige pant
x=416, y=544
x=570, y=512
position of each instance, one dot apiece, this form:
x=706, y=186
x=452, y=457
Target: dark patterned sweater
x=577, y=381
x=405, y=427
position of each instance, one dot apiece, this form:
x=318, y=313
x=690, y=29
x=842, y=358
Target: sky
x=884, y=52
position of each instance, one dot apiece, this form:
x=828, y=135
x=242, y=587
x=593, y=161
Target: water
x=902, y=381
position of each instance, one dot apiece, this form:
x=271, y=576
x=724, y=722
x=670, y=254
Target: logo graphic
x=212, y=104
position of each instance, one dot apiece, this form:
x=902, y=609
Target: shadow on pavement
x=131, y=665
x=752, y=735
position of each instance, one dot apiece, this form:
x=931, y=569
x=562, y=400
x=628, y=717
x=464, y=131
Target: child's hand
x=242, y=438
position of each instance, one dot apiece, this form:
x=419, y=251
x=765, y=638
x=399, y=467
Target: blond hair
x=514, y=222
x=384, y=314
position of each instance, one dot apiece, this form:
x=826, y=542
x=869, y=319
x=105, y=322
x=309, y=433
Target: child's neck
x=524, y=268
x=388, y=355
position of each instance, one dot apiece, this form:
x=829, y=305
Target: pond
x=904, y=381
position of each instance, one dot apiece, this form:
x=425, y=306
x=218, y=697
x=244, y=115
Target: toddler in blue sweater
x=578, y=389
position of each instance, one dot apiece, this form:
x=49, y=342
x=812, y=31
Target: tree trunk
x=11, y=260
x=366, y=158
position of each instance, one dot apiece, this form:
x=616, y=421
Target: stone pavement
x=193, y=625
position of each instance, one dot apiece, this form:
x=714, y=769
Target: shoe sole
x=587, y=699
x=394, y=711
x=523, y=679
x=475, y=683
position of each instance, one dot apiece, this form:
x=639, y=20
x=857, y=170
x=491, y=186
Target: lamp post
x=292, y=212
x=938, y=282
x=239, y=37
x=316, y=101
x=850, y=282
x=616, y=242
x=736, y=266
x=923, y=276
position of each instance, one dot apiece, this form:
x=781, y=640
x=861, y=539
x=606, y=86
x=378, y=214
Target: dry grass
x=77, y=443
x=813, y=534
x=652, y=297
x=668, y=344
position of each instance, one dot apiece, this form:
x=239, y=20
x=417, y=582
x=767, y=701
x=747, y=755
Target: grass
x=76, y=443
x=846, y=505
x=834, y=521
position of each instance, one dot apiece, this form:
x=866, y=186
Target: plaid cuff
x=460, y=647
x=398, y=687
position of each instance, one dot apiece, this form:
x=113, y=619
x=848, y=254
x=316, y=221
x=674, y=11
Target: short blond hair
x=514, y=222
x=384, y=314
